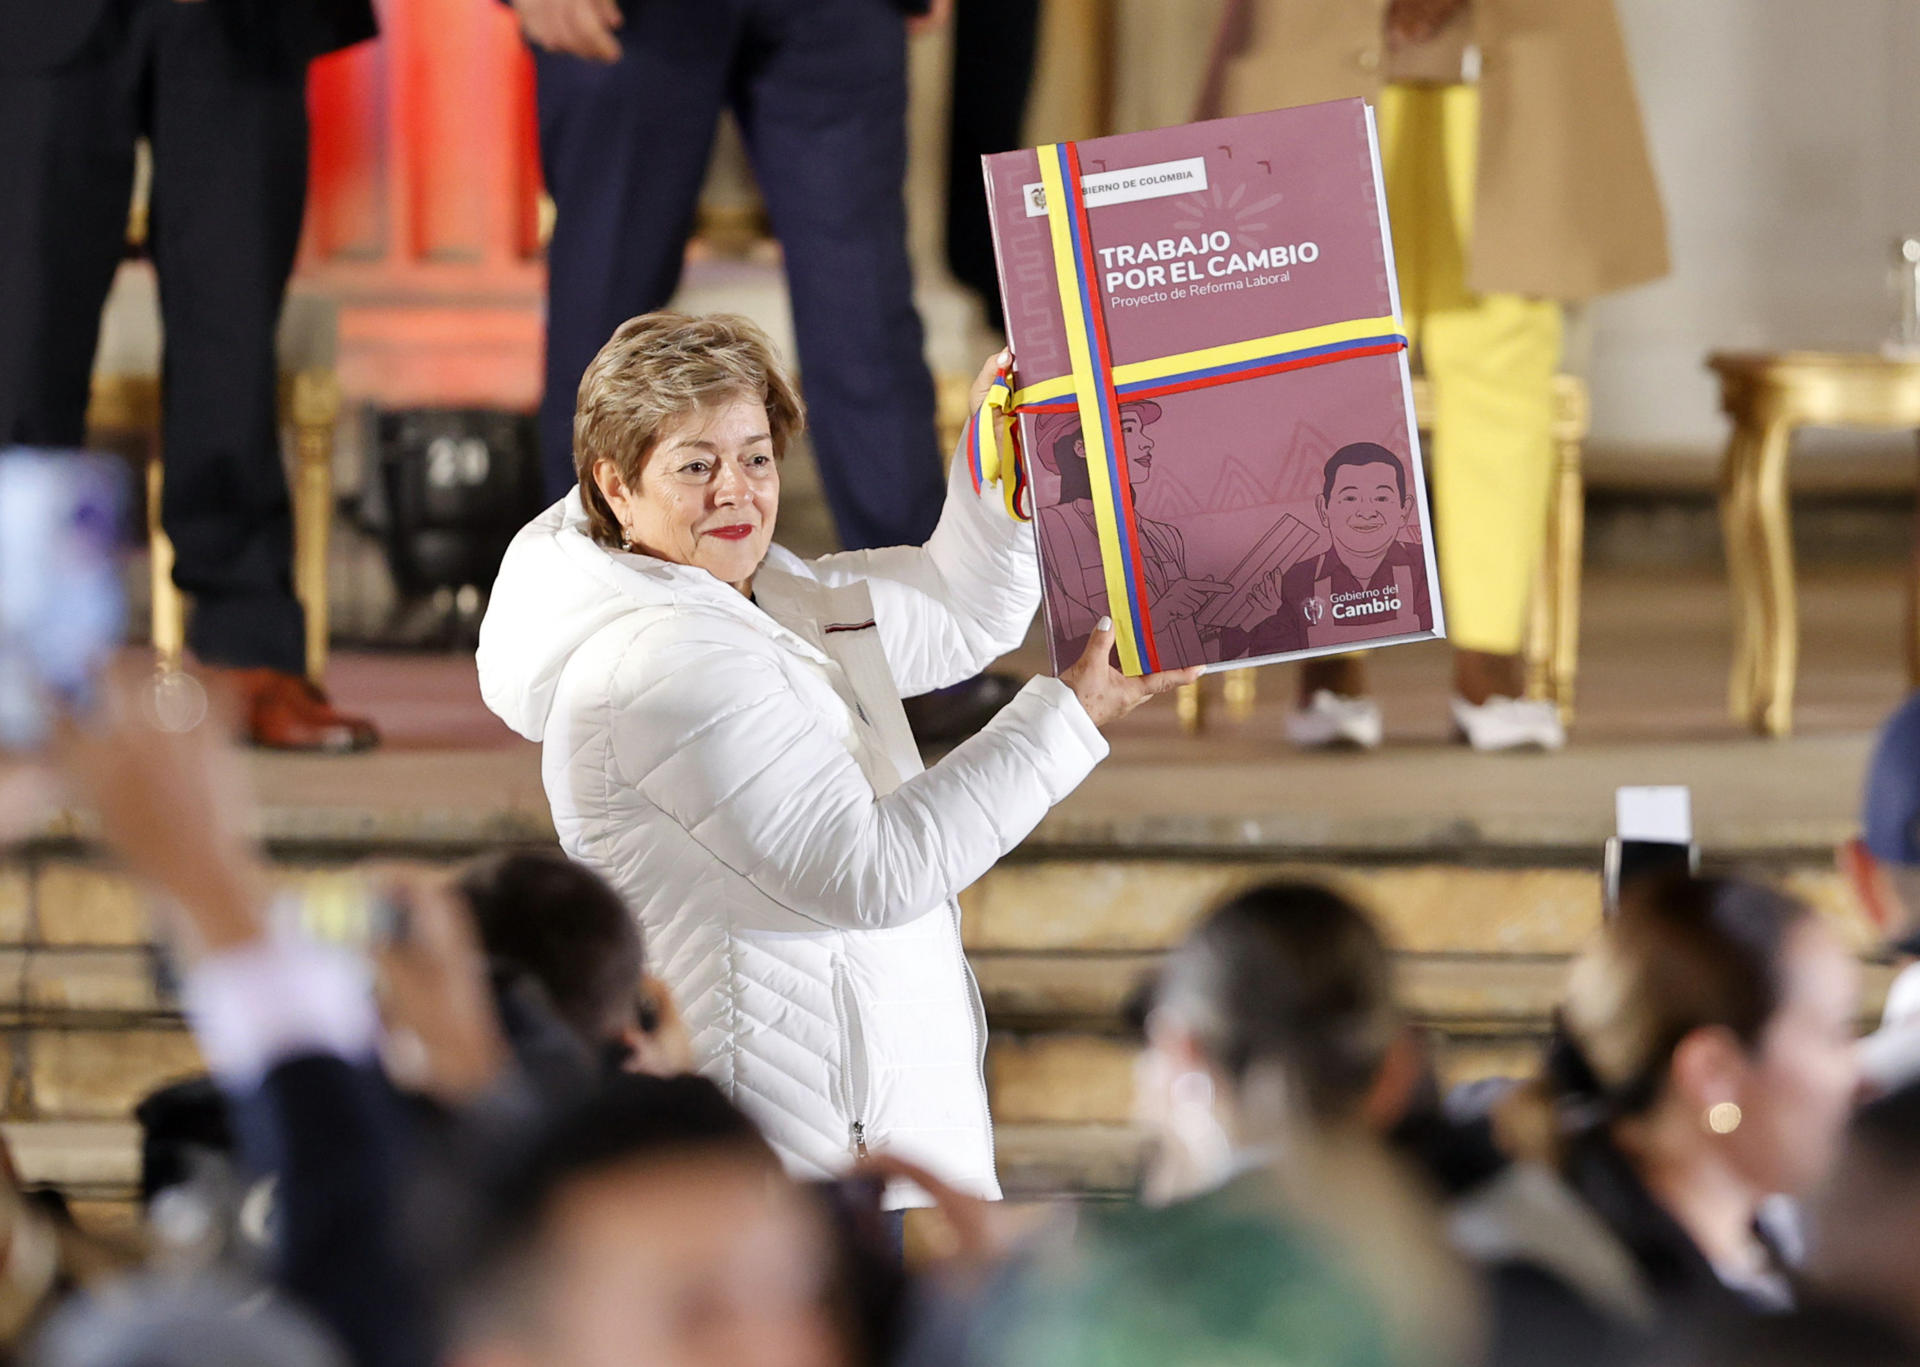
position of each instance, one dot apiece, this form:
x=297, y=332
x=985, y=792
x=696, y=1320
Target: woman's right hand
x=1104, y=691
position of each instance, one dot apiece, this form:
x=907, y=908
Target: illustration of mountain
x=1172, y=499
x=1300, y=474
x=1236, y=488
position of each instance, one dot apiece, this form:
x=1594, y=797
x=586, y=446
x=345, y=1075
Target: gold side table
x=1767, y=396
x=1553, y=632
x=310, y=405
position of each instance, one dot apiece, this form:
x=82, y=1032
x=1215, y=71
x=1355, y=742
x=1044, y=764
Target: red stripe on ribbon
x=1110, y=401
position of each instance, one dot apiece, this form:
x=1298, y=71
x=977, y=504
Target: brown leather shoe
x=287, y=712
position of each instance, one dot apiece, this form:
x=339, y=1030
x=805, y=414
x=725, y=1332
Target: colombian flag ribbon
x=1095, y=388
x=992, y=444
x=1090, y=358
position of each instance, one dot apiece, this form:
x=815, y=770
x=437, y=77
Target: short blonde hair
x=658, y=369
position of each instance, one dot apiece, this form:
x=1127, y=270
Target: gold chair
x=310, y=406
x=1767, y=396
x=1553, y=633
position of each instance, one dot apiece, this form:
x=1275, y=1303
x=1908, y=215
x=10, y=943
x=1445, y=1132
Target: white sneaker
x=1509, y=724
x=1331, y=721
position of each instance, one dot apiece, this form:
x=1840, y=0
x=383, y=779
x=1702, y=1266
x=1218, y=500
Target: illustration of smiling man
x=1367, y=585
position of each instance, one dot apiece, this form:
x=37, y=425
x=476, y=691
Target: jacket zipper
x=976, y=1013
x=843, y=1008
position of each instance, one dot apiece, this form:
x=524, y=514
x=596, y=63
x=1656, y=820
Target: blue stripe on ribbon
x=1103, y=376
x=1236, y=367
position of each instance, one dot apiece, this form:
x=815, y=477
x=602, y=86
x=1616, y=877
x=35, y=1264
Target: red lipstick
x=739, y=532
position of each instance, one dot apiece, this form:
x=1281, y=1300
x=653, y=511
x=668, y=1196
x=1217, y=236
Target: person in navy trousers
x=218, y=88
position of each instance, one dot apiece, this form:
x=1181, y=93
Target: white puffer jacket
x=743, y=773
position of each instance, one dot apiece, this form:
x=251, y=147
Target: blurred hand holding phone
x=62, y=604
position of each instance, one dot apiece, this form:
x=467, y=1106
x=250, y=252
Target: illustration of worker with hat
x=1076, y=578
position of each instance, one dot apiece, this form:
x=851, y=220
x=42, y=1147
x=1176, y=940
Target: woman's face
x=707, y=495
x=703, y=1261
x=1796, y=1095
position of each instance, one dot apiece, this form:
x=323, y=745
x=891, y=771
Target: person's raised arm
x=948, y=609
x=287, y=1026
x=718, y=739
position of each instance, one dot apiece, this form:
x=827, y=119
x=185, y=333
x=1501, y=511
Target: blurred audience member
x=1864, y=1226
x=650, y=1224
x=218, y=90
x=163, y=1321
x=1702, y=1063
x=1276, y=1060
x=1882, y=864
x=555, y=925
x=301, y=1036
x=289, y=1027
x=544, y=917
x=204, y=1208
x=1196, y=1284
x=45, y=1258
x=1814, y=1336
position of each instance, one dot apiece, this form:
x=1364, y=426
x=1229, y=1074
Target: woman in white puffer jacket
x=723, y=739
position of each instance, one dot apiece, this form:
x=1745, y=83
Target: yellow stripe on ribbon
x=1130, y=379
x=992, y=448
x=1132, y=636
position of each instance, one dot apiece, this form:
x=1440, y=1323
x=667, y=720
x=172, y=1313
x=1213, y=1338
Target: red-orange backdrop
x=423, y=216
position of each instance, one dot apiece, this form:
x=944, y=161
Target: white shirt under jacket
x=743, y=773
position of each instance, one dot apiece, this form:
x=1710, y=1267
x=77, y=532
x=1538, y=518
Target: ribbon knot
x=993, y=447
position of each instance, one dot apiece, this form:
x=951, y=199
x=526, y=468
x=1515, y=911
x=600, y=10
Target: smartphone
x=1653, y=834
x=62, y=603
x=346, y=909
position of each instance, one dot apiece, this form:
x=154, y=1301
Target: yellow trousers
x=1490, y=359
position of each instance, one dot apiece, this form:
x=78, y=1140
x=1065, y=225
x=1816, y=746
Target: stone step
x=1076, y=903
x=1039, y=1161
x=101, y=1035
x=1059, y=935
x=1458, y=993
x=1025, y=989
x=88, y=1159
x=105, y=986
x=1427, y=907
x=1077, y=1079
x=97, y=1163
x=99, y=1075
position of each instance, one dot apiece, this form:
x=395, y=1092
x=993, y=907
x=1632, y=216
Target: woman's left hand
x=1104, y=691
x=984, y=380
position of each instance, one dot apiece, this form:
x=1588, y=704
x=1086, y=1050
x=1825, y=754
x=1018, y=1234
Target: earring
x=1723, y=1118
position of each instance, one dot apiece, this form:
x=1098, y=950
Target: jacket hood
x=556, y=589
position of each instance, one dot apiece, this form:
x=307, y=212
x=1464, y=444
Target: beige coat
x=1566, y=203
